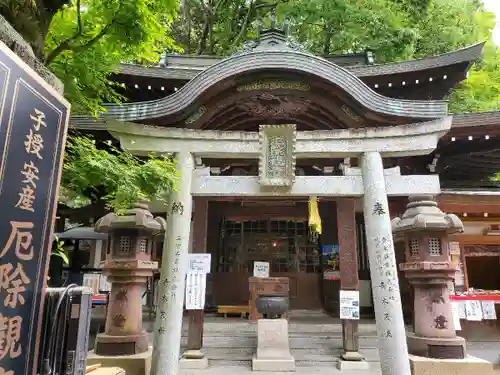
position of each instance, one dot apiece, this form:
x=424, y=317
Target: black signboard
x=33, y=125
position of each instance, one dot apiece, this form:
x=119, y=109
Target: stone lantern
x=127, y=266
x=428, y=267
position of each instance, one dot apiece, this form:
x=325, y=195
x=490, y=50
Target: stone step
x=248, y=364
x=245, y=327
x=300, y=354
x=326, y=367
x=223, y=335
x=295, y=342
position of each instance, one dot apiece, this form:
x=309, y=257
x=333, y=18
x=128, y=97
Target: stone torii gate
x=277, y=147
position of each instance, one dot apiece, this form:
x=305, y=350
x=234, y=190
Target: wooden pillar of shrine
x=349, y=280
x=196, y=317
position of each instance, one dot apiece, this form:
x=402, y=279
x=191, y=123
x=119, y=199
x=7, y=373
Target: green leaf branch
x=94, y=171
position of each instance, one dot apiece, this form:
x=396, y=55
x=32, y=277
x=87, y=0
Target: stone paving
x=301, y=326
x=241, y=370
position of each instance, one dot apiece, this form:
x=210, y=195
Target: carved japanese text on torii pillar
x=277, y=155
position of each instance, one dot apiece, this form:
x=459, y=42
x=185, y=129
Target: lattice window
x=414, y=248
x=255, y=226
x=283, y=243
x=125, y=244
x=143, y=245
x=435, y=247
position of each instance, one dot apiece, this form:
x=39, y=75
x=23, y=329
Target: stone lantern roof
x=423, y=213
x=137, y=217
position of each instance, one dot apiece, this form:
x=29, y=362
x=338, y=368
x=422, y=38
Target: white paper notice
x=261, y=269
x=199, y=262
x=462, y=313
x=489, y=312
x=349, y=304
x=91, y=280
x=195, y=290
x=456, y=316
x=474, y=311
x=104, y=284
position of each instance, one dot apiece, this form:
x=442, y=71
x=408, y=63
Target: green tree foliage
x=82, y=41
x=394, y=30
x=83, y=47
x=452, y=24
x=480, y=92
x=91, y=173
x=342, y=26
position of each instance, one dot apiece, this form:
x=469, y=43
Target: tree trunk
x=327, y=41
x=203, y=39
x=243, y=30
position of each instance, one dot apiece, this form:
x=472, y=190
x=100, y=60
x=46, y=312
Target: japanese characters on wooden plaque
x=277, y=155
x=32, y=135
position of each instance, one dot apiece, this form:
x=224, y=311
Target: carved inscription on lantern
x=277, y=159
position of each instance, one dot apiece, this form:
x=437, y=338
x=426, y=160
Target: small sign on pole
x=196, y=280
x=349, y=304
x=261, y=269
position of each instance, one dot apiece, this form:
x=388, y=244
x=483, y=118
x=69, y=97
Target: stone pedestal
x=136, y=364
x=352, y=361
x=466, y=366
x=434, y=347
x=108, y=344
x=193, y=360
x=273, y=348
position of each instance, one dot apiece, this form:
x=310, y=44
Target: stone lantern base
x=137, y=364
x=466, y=366
x=121, y=345
x=438, y=348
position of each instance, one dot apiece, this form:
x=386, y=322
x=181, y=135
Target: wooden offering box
x=274, y=286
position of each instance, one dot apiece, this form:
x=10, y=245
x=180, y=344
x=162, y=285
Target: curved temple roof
x=187, y=67
x=274, y=53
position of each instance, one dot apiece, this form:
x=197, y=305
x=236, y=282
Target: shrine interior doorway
x=276, y=230
x=286, y=243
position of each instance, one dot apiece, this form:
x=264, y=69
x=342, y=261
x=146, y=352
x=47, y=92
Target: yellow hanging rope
x=314, y=218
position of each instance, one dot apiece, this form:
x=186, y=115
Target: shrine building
x=335, y=124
